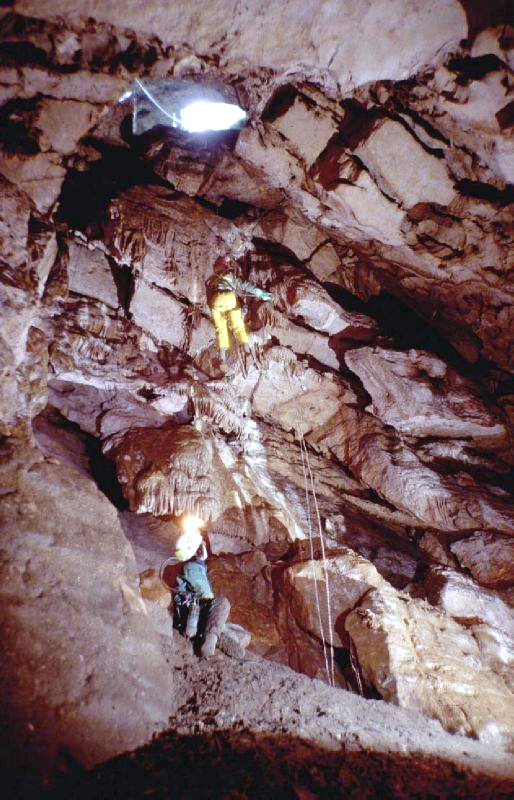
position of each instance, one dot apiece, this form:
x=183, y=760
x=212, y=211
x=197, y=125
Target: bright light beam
x=192, y=524
x=205, y=116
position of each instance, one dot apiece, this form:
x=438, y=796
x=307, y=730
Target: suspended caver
x=223, y=289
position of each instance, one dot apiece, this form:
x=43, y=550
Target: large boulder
x=460, y=597
x=420, y=658
x=321, y=592
x=82, y=671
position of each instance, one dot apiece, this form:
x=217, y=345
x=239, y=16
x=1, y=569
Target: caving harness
x=186, y=612
x=187, y=603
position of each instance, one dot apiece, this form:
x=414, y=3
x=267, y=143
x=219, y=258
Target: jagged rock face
x=484, y=556
x=354, y=469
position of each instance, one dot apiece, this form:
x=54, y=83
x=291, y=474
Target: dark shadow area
x=396, y=320
x=346, y=659
x=279, y=253
x=279, y=104
x=241, y=763
x=474, y=68
x=15, y=120
x=407, y=329
x=104, y=474
x=505, y=116
x=85, y=196
x=69, y=444
x=228, y=208
x=12, y=54
x=484, y=191
x=124, y=281
x=483, y=14
x=231, y=209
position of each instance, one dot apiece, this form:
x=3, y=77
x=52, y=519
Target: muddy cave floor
x=260, y=730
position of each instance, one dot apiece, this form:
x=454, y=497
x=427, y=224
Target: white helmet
x=189, y=541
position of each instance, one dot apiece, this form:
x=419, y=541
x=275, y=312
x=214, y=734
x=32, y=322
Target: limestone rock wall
x=82, y=671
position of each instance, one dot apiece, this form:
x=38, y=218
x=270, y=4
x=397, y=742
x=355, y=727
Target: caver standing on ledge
x=223, y=289
x=195, y=594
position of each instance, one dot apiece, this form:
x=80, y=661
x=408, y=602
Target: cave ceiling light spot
x=190, y=106
x=207, y=116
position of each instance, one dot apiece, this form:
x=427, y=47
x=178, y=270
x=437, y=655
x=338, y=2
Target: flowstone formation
x=354, y=466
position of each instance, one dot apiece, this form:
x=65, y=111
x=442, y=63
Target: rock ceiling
x=372, y=194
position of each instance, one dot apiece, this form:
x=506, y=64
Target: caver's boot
x=209, y=645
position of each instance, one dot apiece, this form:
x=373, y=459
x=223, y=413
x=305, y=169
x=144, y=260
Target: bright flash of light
x=192, y=523
x=204, y=116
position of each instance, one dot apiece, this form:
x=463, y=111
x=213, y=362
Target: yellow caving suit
x=225, y=307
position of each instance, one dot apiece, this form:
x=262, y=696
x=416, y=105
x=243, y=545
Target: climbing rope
x=156, y=104
x=171, y=561
x=311, y=544
x=306, y=465
x=325, y=567
x=309, y=478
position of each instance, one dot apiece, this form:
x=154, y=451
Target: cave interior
x=352, y=463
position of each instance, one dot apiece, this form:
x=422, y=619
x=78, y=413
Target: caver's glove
x=264, y=295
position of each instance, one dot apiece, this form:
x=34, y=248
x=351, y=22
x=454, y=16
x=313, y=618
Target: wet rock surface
x=354, y=465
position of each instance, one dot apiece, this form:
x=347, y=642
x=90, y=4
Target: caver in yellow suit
x=223, y=289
